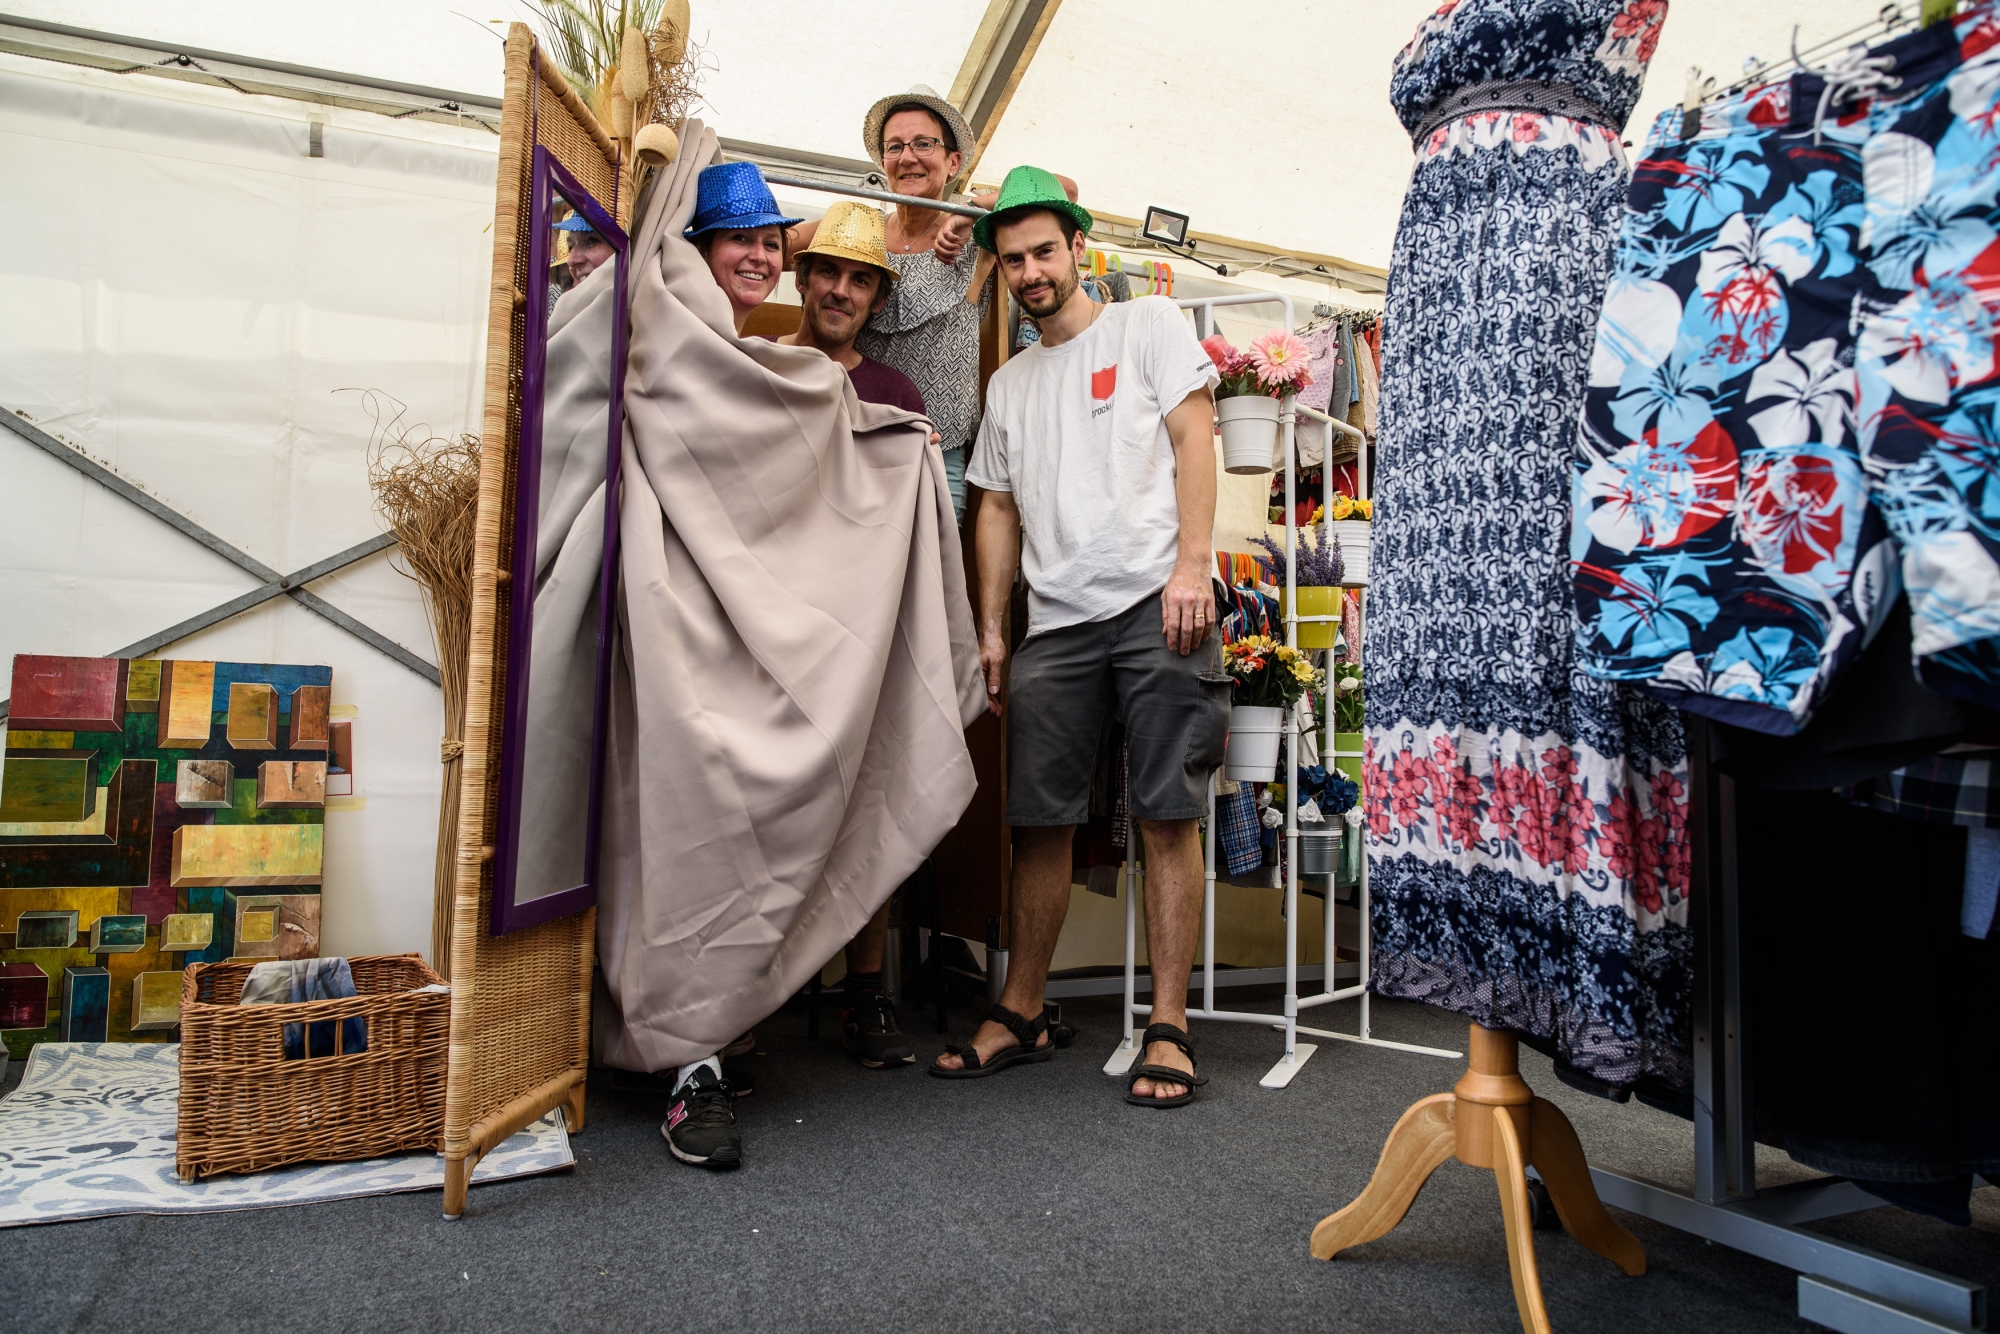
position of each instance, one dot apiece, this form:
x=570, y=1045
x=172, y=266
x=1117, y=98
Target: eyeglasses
x=922, y=146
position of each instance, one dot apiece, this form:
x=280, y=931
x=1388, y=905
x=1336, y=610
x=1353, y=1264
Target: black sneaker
x=868, y=1029
x=701, y=1125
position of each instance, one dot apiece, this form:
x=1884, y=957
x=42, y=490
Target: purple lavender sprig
x=1320, y=562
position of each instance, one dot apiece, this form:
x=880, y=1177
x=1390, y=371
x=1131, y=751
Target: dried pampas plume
x=634, y=65
x=427, y=493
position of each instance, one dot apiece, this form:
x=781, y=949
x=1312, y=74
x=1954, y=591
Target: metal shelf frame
x=1296, y=1053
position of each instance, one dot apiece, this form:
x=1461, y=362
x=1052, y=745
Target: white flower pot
x=1249, y=425
x=1254, y=736
x=1352, y=534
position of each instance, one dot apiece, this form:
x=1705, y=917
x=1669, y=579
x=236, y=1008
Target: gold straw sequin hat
x=854, y=232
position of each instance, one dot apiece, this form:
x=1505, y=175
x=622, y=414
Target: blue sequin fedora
x=733, y=194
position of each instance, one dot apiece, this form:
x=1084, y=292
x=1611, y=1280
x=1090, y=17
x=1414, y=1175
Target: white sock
x=713, y=1063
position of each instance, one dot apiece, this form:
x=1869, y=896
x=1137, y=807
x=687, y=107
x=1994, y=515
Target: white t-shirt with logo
x=1078, y=433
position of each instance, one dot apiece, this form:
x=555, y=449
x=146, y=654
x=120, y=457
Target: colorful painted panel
x=312, y=707
x=86, y=1005
x=50, y=787
x=253, y=715
x=291, y=783
x=45, y=929
x=68, y=694
x=140, y=799
x=187, y=931
x=24, y=996
x=205, y=785
x=118, y=933
x=277, y=926
x=156, y=1002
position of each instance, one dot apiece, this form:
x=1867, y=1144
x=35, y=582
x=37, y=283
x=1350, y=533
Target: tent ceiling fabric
x=1277, y=129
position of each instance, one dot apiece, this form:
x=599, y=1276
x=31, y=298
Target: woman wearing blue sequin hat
x=739, y=231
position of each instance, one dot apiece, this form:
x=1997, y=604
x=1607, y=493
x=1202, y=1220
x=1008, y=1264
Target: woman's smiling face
x=746, y=263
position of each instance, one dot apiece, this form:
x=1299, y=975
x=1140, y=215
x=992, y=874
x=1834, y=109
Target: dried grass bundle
x=427, y=493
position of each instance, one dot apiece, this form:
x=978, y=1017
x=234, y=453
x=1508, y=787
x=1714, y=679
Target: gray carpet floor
x=891, y=1201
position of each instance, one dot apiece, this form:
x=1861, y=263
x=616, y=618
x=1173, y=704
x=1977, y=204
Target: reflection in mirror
x=552, y=747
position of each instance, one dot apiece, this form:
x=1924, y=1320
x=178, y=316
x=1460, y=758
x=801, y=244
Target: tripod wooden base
x=1492, y=1119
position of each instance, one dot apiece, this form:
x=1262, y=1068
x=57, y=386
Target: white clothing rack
x=1296, y=1053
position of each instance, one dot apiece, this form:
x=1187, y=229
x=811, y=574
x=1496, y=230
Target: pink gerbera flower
x=1224, y=354
x=1280, y=359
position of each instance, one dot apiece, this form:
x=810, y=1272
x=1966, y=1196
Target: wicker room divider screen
x=520, y=1003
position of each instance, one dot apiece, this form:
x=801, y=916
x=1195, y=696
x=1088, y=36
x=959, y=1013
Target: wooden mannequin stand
x=1492, y=1119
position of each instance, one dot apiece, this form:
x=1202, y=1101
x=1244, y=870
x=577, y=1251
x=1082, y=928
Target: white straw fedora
x=956, y=130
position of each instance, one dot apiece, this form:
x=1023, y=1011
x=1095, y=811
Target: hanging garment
x=1793, y=396
x=1351, y=365
x=1903, y=1098
x=1328, y=368
x=1526, y=823
x=796, y=666
x=1367, y=396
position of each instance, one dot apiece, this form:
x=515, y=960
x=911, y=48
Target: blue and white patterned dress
x=1526, y=823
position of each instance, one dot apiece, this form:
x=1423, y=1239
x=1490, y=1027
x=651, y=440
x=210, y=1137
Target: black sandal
x=1164, y=1074
x=1028, y=1032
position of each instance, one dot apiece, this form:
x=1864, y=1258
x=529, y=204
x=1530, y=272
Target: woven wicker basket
x=244, y=1107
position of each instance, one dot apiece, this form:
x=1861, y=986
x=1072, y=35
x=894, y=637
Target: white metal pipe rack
x=1296, y=1053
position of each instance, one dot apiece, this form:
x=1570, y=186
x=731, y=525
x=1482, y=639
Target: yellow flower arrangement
x=1268, y=673
x=1347, y=507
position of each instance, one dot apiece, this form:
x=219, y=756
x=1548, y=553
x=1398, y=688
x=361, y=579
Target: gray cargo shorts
x=1175, y=711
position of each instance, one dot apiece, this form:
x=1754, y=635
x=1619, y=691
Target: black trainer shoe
x=701, y=1125
x=868, y=1029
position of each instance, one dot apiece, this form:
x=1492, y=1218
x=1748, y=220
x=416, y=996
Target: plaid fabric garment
x=1946, y=789
x=1237, y=832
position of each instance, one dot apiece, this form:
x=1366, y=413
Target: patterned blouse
x=930, y=332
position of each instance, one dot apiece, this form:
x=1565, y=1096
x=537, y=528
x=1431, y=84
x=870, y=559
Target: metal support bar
x=1844, y=1287
x=881, y=196
x=1334, y=422
x=275, y=584
x=1958, y=1303
x=264, y=593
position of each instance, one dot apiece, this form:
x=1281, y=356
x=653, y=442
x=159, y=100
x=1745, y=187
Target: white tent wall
x=183, y=295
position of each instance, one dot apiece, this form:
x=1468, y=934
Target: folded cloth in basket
x=291, y=981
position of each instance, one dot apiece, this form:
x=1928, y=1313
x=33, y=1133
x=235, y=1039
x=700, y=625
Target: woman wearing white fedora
x=929, y=327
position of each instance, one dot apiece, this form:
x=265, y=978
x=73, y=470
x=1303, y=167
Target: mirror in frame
x=559, y=598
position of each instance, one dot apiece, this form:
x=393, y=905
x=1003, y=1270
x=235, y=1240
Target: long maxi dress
x=1526, y=823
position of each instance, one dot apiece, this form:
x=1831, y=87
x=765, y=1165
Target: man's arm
x=997, y=543
x=1188, y=605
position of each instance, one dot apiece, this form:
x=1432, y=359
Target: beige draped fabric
x=798, y=661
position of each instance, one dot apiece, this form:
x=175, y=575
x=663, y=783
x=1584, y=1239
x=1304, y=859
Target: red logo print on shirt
x=1103, y=382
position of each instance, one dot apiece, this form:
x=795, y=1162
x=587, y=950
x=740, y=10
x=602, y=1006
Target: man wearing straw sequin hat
x=844, y=277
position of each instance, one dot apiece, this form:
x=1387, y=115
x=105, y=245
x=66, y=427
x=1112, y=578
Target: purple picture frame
x=507, y=915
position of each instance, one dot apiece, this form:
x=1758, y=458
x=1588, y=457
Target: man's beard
x=1061, y=288
x=823, y=334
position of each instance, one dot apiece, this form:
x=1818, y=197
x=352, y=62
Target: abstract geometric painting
x=147, y=808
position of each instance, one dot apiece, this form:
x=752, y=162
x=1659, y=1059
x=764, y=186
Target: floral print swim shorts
x=1794, y=403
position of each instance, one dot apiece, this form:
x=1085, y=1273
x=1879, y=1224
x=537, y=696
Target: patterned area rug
x=90, y=1133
